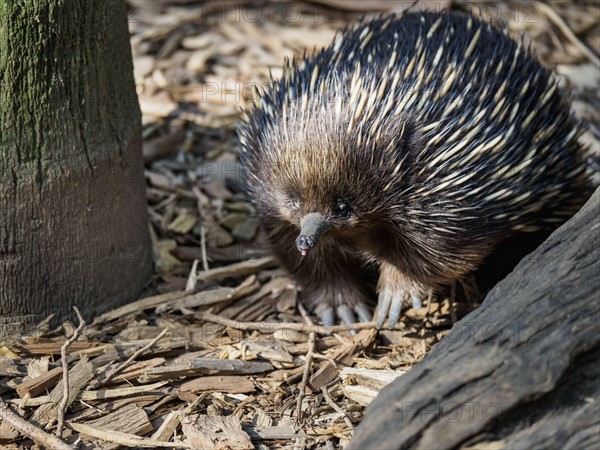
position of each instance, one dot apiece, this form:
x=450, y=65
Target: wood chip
x=363, y=385
x=208, y=366
x=258, y=433
x=168, y=427
x=125, y=439
x=53, y=348
x=215, y=432
x=156, y=107
x=13, y=367
x=39, y=384
x=236, y=270
x=211, y=297
x=343, y=357
x=130, y=419
x=225, y=384
x=133, y=371
x=140, y=305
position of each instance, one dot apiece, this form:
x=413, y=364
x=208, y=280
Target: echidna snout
x=312, y=226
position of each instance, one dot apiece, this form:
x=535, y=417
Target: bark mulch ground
x=219, y=353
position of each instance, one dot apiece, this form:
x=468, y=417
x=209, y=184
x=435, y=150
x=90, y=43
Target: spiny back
x=435, y=114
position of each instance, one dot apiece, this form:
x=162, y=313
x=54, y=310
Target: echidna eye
x=342, y=208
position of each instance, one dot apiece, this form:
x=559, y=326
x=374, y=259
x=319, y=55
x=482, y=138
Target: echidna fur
x=421, y=142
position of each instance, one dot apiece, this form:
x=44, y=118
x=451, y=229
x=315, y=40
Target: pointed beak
x=312, y=226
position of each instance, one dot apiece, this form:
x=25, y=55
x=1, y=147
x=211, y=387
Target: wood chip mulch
x=219, y=353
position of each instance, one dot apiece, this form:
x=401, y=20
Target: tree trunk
x=521, y=371
x=73, y=219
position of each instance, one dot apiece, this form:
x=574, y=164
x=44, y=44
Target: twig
x=124, y=439
x=145, y=348
x=307, y=364
x=65, y=366
x=190, y=285
x=31, y=431
x=203, y=248
x=335, y=406
x=566, y=30
x=267, y=327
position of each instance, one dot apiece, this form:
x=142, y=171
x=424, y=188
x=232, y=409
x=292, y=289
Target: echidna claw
x=344, y=312
x=383, y=306
x=416, y=302
x=327, y=316
x=395, y=310
x=363, y=312
x=347, y=316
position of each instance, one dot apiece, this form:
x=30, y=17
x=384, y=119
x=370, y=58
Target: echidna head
x=322, y=166
x=325, y=181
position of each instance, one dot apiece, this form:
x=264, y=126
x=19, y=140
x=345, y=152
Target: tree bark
x=521, y=371
x=73, y=218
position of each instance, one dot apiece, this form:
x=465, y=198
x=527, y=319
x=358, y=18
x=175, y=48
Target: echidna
x=416, y=143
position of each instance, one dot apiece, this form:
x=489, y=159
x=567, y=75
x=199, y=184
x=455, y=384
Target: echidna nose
x=312, y=226
x=304, y=244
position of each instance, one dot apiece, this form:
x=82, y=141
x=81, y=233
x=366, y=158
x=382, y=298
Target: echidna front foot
x=394, y=290
x=337, y=306
x=343, y=312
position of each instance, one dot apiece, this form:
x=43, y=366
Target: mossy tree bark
x=73, y=220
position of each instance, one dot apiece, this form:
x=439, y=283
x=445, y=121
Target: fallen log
x=521, y=371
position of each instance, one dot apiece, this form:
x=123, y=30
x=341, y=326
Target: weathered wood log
x=521, y=371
